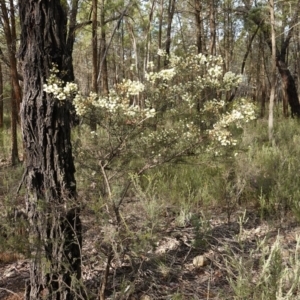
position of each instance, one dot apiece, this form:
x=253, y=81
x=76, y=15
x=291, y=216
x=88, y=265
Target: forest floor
x=186, y=263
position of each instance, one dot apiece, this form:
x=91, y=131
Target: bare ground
x=175, y=266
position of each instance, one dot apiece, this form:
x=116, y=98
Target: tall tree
x=9, y=26
x=51, y=204
x=102, y=61
x=212, y=25
x=199, y=26
x=170, y=14
x=288, y=82
x=160, y=26
x=273, y=75
x=14, y=153
x=94, y=46
x=71, y=34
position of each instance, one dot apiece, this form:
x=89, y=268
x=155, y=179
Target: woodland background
x=177, y=214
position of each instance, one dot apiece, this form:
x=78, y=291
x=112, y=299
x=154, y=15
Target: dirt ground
x=176, y=269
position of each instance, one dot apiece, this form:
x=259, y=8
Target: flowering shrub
x=57, y=87
x=168, y=105
x=242, y=112
x=142, y=125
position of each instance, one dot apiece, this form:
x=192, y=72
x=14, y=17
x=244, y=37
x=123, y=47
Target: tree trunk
x=52, y=208
x=102, y=62
x=212, y=26
x=8, y=21
x=273, y=76
x=9, y=27
x=94, y=47
x=199, y=25
x=93, y=120
x=171, y=11
x=14, y=154
x=160, y=24
x=289, y=87
x=288, y=82
x=71, y=36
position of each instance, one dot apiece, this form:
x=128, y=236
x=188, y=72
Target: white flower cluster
x=82, y=104
x=215, y=71
x=222, y=136
x=242, y=112
x=56, y=86
x=161, y=52
x=230, y=79
x=111, y=104
x=133, y=87
x=166, y=74
x=213, y=106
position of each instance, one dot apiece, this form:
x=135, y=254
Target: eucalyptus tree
x=259, y=15
x=51, y=204
x=170, y=15
x=273, y=75
x=8, y=22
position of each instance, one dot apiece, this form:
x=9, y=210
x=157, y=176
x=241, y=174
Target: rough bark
x=52, y=208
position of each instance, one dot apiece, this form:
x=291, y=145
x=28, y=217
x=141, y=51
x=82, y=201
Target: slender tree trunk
x=212, y=25
x=51, y=204
x=14, y=154
x=263, y=88
x=135, y=49
x=171, y=11
x=93, y=123
x=273, y=76
x=94, y=47
x=160, y=23
x=199, y=25
x=148, y=37
x=9, y=26
x=102, y=62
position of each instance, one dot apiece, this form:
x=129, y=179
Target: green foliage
x=269, y=173
x=13, y=228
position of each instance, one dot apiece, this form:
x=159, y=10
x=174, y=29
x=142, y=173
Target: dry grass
x=10, y=257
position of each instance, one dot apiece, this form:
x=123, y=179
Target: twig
x=105, y=277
